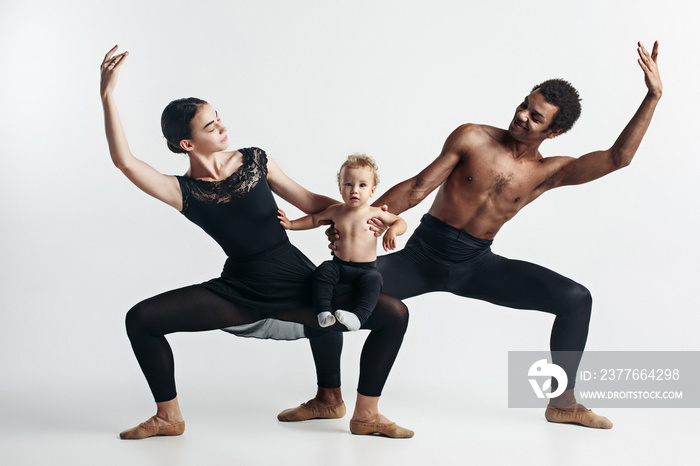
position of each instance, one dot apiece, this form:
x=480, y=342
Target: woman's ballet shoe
x=374, y=427
x=304, y=413
x=144, y=431
x=578, y=414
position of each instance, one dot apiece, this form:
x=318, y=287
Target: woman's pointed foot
x=374, y=426
x=153, y=427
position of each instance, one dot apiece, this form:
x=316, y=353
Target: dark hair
x=562, y=94
x=176, y=119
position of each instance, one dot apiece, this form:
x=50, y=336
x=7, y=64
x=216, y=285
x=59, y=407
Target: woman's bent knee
x=136, y=318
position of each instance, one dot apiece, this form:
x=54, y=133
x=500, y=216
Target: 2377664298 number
x=639, y=374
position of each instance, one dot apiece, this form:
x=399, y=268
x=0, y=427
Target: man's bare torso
x=490, y=183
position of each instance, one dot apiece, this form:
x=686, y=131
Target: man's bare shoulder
x=473, y=133
x=477, y=130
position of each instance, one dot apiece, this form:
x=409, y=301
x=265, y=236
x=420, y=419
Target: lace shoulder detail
x=259, y=157
x=235, y=186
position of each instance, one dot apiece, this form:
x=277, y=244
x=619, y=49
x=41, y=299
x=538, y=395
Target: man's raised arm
x=596, y=164
x=411, y=192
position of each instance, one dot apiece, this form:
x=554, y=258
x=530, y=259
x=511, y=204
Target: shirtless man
x=486, y=175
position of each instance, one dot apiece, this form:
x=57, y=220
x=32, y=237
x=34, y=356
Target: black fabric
x=196, y=308
x=219, y=207
x=326, y=349
x=263, y=270
x=388, y=324
x=264, y=290
x=190, y=309
x=439, y=257
x=363, y=276
x=276, y=281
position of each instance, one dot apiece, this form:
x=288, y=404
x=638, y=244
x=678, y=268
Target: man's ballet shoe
x=373, y=426
x=144, y=431
x=577, y=415
x=304, y=413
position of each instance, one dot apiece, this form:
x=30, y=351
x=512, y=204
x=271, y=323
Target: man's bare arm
x=599, y=163
x=409, y=193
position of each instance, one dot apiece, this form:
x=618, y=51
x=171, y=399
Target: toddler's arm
x=304, y=223
x=397, y=226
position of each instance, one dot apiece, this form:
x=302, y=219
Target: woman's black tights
x=196, y=309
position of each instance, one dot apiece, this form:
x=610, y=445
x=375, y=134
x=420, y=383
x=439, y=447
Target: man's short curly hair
x=359, y=161
x=562, y=94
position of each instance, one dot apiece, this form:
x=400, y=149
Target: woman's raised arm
x=145, y=177
x=295, y=194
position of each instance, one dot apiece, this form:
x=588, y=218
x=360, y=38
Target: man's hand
x=332, y=235
x=651, y=71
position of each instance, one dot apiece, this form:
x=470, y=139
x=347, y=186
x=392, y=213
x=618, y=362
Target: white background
x=310, y=82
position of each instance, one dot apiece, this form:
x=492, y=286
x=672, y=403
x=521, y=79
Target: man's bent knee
x=581, y=300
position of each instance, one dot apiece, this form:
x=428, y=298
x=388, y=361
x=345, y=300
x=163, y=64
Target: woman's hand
x=146, y=178
x=109, y=71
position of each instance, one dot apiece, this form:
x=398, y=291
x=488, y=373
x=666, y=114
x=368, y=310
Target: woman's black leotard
x=263, y=270
x=263, y=291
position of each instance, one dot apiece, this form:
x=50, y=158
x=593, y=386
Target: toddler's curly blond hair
x=359, y=161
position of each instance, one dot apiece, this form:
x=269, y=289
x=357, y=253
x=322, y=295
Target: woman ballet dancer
x=265, y=287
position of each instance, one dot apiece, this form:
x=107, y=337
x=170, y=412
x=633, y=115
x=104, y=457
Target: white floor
x=67, y=408
x=220, y=430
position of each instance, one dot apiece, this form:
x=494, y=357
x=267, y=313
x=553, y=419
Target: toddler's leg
x=369, y=285
x=326, y=277
x=349, y=319
x=325, y=319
